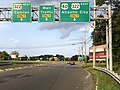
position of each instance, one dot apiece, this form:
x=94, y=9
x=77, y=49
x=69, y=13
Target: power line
x=88, y=39
x=36, y=47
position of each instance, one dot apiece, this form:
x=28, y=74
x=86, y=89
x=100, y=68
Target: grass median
x=6, y=64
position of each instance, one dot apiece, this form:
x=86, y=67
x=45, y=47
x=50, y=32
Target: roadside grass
x=116, y=67
x=101, y=80
x=118, y=71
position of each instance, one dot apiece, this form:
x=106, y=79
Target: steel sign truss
x=6, y=13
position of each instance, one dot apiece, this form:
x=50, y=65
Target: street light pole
x=107, y=49
x=110, y=35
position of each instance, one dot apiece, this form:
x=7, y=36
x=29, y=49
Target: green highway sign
x=21, y=12
x=46, y=13
x=74, y=11
x=80, y=58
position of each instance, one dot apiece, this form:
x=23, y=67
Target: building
x=100, y=52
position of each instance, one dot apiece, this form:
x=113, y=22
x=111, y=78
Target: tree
x=24, y=58
x=99, y=34
x=97, y=39
x=4, y=55
x=116, y=31
x=15, y=53
x=61, y=57
x=74, y=58
x=100, y=2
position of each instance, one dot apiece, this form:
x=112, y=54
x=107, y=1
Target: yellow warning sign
x=74, y=15
x=21, y=16
x=46, y=15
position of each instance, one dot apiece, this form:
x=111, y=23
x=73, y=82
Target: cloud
x=65, y=28
x=4, y=27
x=55, y=2
x=38, y=2
x=14, y=41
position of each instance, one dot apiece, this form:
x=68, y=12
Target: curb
x=1, y=70
x=18, y=68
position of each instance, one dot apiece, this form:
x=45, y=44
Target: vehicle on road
x=72, y=63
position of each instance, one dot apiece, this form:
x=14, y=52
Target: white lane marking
x=21, y=76
x=88, y=76
x=77, y=87
x=97, y=84
x=96, y=87
x=40, y=69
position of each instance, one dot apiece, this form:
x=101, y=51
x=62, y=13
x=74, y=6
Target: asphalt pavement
x=47, y=77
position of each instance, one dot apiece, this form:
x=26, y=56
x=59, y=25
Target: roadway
x=48, y=77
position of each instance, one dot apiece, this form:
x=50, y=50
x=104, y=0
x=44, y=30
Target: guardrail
x=111, y=73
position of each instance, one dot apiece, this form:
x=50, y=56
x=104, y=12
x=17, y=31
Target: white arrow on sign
x=74, y=19
x=21, y=19
x=46, y=19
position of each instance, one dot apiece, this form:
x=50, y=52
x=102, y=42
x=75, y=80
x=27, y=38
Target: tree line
x=6, y=56
x=99, y=34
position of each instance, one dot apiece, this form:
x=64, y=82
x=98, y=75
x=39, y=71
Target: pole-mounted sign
x=21, y=12
x=74, y=12
x=46, y=13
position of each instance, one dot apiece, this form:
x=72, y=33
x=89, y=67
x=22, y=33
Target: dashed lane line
x=21, y=76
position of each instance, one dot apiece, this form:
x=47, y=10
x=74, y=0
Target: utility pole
x=84, y=41
x=107, y=49
x=79, y=51
x=110, y=35
x=82, y=50
x=94, y=34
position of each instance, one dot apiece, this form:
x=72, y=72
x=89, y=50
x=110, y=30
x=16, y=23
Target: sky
x=35, y=38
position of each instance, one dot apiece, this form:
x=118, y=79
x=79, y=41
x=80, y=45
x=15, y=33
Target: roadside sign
x=21, y=12
x=46, y=13
x=74, y=12
x=80, y=58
